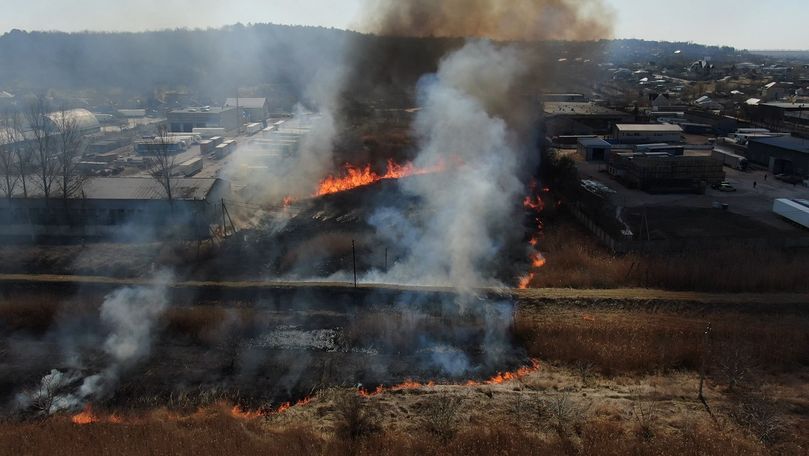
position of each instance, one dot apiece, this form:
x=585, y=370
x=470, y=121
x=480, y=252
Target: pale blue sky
x=752, y=24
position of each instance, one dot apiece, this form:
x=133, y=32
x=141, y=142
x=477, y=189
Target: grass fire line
x=89, y=416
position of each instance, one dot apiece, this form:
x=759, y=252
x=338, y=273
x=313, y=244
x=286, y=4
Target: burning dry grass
x=217, y=433
x=576, y=260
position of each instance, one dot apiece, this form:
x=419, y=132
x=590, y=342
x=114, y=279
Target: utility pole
x=386, y=259
x=354, y=260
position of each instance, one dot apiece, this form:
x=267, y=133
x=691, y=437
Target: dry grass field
x=614, y=378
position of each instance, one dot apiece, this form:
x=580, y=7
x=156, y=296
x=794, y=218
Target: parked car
x=724, y=187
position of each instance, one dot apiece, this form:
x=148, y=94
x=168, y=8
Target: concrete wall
x=122, y=220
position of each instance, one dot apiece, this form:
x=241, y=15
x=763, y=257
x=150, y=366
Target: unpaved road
x=626, y=294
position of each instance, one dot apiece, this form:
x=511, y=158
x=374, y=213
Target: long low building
x=647, y=133
x=661, y=172
x=125, y=209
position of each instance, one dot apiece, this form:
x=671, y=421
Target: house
x=700, y=68
x=706, y=102
x=777, y=91
x=594, y=149
x=253, y=109
x=122, y=208
x=661, y=102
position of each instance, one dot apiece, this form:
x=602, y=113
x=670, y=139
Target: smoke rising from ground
x=468, y=211
x=129, y=316
x=496, y=19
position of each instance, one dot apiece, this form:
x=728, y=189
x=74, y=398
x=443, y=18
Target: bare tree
x=14, y=156
x=68, y=153
x=163, y=161
x=41, y=145
x=7, y=167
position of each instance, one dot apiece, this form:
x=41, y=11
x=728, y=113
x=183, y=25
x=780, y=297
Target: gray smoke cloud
x=129, y=315
x=469, y=210
x=315, y=119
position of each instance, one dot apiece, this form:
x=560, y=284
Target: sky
x=747, y=24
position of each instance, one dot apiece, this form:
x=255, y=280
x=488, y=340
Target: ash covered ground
x=257, y=350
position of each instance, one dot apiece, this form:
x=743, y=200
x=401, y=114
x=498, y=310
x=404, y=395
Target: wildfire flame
x=287, y=201
x=406, y=385
x=242, y=414
x=356, y=176
x=499, y=378
x=533, y=202
x=504, y=377
x=88, y=416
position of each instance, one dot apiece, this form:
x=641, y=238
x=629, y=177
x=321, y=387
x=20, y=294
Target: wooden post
x=224, y=224
x=354, y=261
x=704, y=366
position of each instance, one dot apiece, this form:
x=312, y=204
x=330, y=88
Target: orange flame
x=406, y=385
x=288, y=405
x=533, y=202
x=525, y=281
x=538, y=260
x=356, y=176
x=85, y=417
x=500, y=377
x=88, y=416
x=242, y=414
x=288, y=201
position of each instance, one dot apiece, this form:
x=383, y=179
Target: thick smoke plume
x=129, y=316
x=467, y=212
x=507, y=20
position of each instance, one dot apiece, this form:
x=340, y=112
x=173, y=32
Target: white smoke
x=129, y=315
x=467, y=211
x=297, y=175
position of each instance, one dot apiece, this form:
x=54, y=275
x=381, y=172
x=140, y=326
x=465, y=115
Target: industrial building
x=594, y=149
x=253, y=109
x=661, y=172
x=577, y=118
x=186, y=120
x=85, y=121
x=121, y=208
x=779, y=112
x=647, y=133
x=780, y=154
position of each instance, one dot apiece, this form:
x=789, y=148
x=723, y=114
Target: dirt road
x=626, y=294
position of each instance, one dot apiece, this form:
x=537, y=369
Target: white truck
x=190, y=167
x=730, y=159
x=253, y=128
x=796, y=210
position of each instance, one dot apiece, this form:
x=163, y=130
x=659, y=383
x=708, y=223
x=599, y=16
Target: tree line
x=40, y=151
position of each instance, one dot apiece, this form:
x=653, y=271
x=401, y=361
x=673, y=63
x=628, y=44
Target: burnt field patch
x=145, y=347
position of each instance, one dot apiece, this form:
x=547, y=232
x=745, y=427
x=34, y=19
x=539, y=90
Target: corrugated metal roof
x=594, y=142
x=649, y=127
x=246, y=103
x=140, y=188
x=784, y=142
